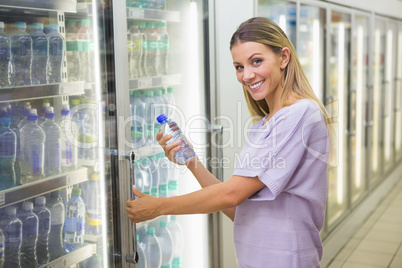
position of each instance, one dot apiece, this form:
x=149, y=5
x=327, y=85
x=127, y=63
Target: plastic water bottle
x=21, y=56
x=52, y=144
x=134, y=45
x=137, y=111
x=153, y=165
x=40, y=47
x=29, y=235
x=57, y=215
x=150, y=45
x=163, y=47
x=42, y=246
x=149, y=110
x=159, y=102
x=69, y=152
x=152, y=249
x=32, y=146
x=2, y=242
x=144, y=51
x=5, y=54
x=166, y=241
x=8, y=150
x=146, y=175
x=24, y=120
x=12, y=229
x=42, y=116
x=88, y=130
x=178, y=241
x=94, y=213
x=142, y=262
x=163, y=165
x=165, y=101
x=173, y=183
x=170, y=127
x=171, y=101
x=56, y=50
x=85, y=49
x=74, y=225
x=73, y=61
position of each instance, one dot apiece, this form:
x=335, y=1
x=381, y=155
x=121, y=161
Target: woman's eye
x=239, y=68
x=257, y=61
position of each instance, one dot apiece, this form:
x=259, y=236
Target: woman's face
x=258, y=69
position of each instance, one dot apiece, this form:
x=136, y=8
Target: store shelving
x=78, y=255
x=65, y=5
x=152, y=14
x=155, y=82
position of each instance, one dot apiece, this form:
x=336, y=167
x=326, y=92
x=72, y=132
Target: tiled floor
x=378, y=243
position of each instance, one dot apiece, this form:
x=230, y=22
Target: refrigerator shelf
x=155, y=82
x=58, y=5
x=9, y=94
x=78, y=255
x=134, y=13
x=147, y=151
x=23, y=192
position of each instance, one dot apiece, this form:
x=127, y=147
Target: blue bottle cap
x=161, y=118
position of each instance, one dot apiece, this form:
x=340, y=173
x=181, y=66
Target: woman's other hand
x=144, y=208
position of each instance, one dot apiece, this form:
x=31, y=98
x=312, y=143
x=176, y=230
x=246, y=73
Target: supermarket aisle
x=379, y=241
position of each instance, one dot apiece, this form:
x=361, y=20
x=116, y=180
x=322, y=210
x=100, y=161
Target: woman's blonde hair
x=294, y=81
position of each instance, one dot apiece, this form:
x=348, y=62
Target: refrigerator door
x=52, y=57
x=398, y=95
x=336, y=102
x=159, y=68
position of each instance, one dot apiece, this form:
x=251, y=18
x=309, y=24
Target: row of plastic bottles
x=37, y=234
x=160, y=244
x=145, y=107
x=30, y=55
x=148, y=49
x=151, y=4
x=33, y=147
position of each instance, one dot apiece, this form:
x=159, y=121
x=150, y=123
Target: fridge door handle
x=219, y=130
x=134, y=257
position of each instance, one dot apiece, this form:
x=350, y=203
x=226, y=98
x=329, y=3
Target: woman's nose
x=248, y=75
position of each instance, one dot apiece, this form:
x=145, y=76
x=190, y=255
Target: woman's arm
x=212, y=198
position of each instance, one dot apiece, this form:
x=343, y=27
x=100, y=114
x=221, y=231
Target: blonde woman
x=276, y=196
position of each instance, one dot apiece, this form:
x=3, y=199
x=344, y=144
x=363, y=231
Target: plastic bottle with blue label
x=32, y=148
x=2, y=245
x=40, y=47
x=94, y=211
x=8, y=150
x=74, y=225
x=178, y=241
x=152, y=249
x=56, y=50
x=42, y=246
x=12, y=229
x=166, y=241
x=69, y=152
x=21, y=56
x=29, y=235
x=57, y=215
x=52, y=162
x=169, y=127
x=5, y=56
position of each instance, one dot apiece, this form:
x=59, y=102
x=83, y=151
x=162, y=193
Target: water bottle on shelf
x=163, y=47
x=152, y=249
x=69, y=152
x=8, y=150
x=73, y=61
x=149, y=110
x=155, y=175
x=29, y=235
x=134, y=45
x=178, y=241
x=146, y=175
x=137, y=111
x=142, y=68
x=57, y=215
x=150, y=45
x=2, y=242
x=32, y=147
x=52, y=144
x=56, y=50
x=21, y=56
x=88, y=131
x=42, y=116
x=40, y=47
x=142, y=262
x=94, y=213
x=12, y=229
x=163, y=174
x=149, y=136
x=166, y=241
x=74, y=225
x=42, y=246
x=170, y=127
x=5, y=54
x=24, y=118
x=85, y=49
x=159, y=102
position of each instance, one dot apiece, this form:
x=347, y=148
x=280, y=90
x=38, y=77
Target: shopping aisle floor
x=378, y=243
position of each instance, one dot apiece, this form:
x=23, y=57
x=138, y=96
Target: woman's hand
x=142, y=209
x=172, y=148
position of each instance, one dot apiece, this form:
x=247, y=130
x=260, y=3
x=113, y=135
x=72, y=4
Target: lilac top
x=279, y=225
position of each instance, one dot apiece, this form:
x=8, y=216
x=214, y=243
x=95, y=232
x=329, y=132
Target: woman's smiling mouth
x=256, y=85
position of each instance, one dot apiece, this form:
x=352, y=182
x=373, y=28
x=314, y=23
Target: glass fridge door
x=51, y=141
x=336, y=102
x=398, y=95
x=158, y=51
x=358, y=103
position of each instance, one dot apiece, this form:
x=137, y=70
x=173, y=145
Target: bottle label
x=57, y=220
x=56, y=47
x=21, y=49
x=5, y=52
x=133, y=45
x=13, y=234
x=36, y=158
x=8, y=148
x=85, y=46
x=94, y=218
x=71, y=45
x=74, y=225
x=150, y=45
x=39, y=48
x=67, y=153
x=164, y=45
x=52, y=155
x=1, y=250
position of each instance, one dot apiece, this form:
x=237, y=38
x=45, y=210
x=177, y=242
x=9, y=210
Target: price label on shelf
x=145, y=83
x=135, y=13
x=2, y=199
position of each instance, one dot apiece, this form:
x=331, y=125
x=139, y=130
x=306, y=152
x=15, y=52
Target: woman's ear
x=285, y=57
